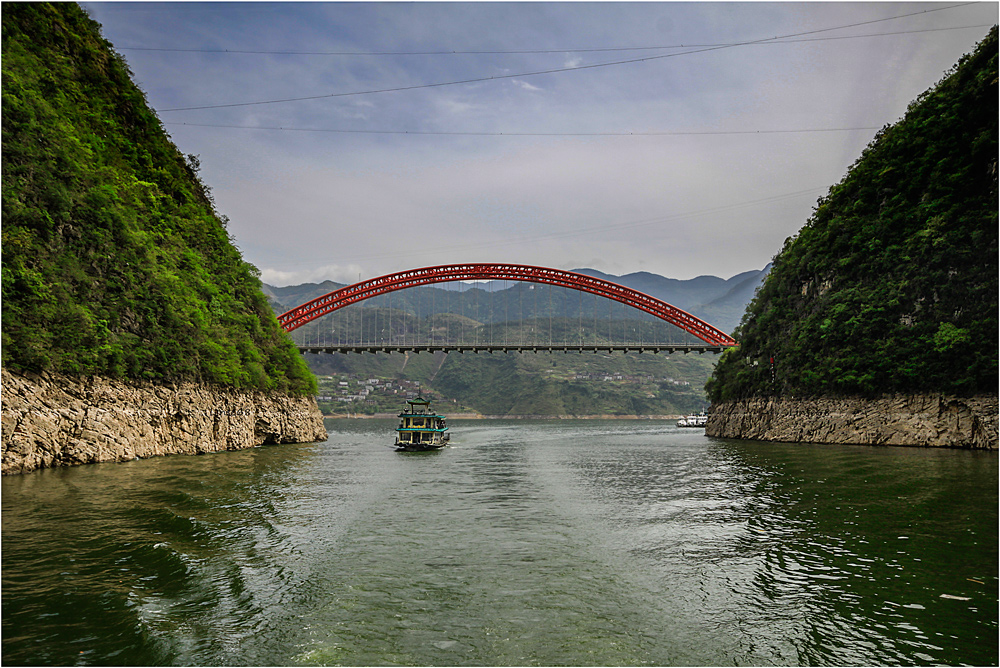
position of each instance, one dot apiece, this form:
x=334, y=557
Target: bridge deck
x=510, y=347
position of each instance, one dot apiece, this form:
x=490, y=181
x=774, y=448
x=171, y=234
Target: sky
x=346, y=141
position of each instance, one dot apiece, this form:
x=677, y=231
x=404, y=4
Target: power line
x=554, y=70
x=521, y=134
x=457, y=52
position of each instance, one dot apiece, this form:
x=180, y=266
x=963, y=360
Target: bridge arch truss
x=351, y=294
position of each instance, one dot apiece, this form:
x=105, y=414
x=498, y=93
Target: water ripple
x=572, y=543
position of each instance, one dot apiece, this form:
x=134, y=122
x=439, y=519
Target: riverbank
x=51, y=420
x=927, y=420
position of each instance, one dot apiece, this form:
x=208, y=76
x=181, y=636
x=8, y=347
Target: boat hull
x=433, y=441
x=419, y=447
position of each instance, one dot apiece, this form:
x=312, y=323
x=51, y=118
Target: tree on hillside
x=891, y=286
x=115, y=261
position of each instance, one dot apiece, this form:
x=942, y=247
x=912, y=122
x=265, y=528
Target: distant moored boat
x=693, y=420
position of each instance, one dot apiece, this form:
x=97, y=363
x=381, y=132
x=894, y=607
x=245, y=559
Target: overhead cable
x=459, y=52
x=552, y=70
x=679, y=133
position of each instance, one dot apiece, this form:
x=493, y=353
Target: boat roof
x=423, y=415
x=422, y=404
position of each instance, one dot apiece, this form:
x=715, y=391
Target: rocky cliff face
x=917, y=420
x=50, y=420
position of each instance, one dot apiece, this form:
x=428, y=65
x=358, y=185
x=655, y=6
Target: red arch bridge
x=698, y=335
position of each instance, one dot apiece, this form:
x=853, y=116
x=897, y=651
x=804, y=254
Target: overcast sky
x=439, y=133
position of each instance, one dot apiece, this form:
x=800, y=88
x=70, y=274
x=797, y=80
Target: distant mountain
x=725, y=312
x=684, y=294
x=283, y=299
x=717, y=300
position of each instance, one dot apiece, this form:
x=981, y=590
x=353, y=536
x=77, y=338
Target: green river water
x=523, y=543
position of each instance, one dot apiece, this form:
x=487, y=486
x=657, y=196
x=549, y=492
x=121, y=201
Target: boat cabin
x=419, y=428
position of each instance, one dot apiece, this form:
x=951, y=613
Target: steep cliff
x=115, y=261
x=916, y=420
x=891, y=286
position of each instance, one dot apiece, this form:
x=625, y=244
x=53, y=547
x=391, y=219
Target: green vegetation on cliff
x=891, y=286
x=115, y=261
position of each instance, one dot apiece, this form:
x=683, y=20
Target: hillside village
x=351, y=394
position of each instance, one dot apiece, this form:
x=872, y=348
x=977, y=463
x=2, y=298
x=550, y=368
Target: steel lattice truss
x=374, y=287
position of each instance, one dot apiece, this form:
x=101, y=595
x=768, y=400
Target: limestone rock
x=49, y=420
x=930, y=420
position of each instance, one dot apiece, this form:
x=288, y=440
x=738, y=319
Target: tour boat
x=693, y=420
x=419, y=429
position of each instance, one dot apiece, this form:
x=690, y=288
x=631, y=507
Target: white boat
x=693, y=420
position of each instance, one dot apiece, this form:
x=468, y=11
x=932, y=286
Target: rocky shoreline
x=928, y=420
x=50, y=420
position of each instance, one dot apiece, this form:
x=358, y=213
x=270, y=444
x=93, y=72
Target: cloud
x=454, y=107
x=525, y=85
x=332, y=272
x=547, y=202
x=311, y=206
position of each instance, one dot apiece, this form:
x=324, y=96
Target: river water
x=523, y=543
